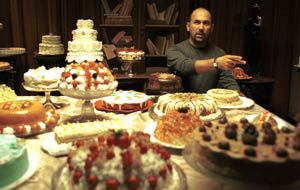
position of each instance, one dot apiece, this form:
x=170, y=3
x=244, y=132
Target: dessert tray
x=150, y=128
x=280, y=123
x=33, y=158
x=246, y=103
x=179, y=181
x=191, y=158
x=99, y=106
x=6, y=52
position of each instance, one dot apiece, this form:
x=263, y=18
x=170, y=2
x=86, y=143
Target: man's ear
x=187, y=26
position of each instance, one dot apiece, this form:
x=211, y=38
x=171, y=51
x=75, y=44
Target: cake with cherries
x=204, y=107
x=176, y=127
x=87, y=77
x=224, y=97
x=24, y=117
x=14, y=161
x=124, y=100
x=42, y=77
x=265, y=117
x=84, y=46
x=117, y=160
x=129, y=54
x=245, y=151
x=164, y=82
x=239, y=74
x=51, y=45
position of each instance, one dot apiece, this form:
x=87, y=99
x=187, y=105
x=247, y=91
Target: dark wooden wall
x=25, y=22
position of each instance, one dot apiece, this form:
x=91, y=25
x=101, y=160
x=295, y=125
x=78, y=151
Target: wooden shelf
x=149, y=55
x=117, y=25
x=151, y=26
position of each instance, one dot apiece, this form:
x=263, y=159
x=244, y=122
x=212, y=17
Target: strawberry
x=110, y=140
x=77, y=175
x=152, y=181
x=112, y=184
x=92, y=180
x=133, y=182
x=124, y=141
x=110, y=154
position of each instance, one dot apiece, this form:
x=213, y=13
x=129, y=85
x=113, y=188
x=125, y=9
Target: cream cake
x=259, y=153
x=125, y=100
x=129, y=54
x=84, y=46
x=164, y=82
x=24, y=117
x=14, y=161
x=87, y=76
x=204, y=107
x=6, y=93
x=225, y=96
x=42, y=77
x=117, y=160
x=51, y=45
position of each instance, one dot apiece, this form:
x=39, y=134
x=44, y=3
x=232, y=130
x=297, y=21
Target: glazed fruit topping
x=152, y=181
x=281, y=153
x=244, y=121
x=133, y=182
x=206, y=137
x=224, y=145
x=230, y=133
x=112, y=183
x=223, y=120
x=250, y=152
x=202, y=129
x=207, y=124
x=76, y=176
x=249, y=139
x=286, y=130
x=74, y=76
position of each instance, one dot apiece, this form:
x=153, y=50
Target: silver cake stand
x=127, y=66
x=87, y=109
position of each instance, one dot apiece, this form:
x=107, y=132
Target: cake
x=245, y=151
x=164, y=82
x=6, y=93
x=129, y=54
x=265, y=117
x=87, y=76
x=14, y=161
x=4, y=65
x=42, y=77
x=225, y=97
x=176, y=127
x=204, y=107
x=51, y=45
x=84, y=46
x=24, y=117
x=124, y=100
x=239, y=73
x=117, y=160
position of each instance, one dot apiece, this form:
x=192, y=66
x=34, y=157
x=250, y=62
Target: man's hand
x=228, y=62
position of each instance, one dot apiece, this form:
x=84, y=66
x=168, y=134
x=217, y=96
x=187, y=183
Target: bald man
x=201, y=64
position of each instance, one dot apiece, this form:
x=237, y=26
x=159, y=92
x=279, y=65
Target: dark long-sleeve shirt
x=181, y=60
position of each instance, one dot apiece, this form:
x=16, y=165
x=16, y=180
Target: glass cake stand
x=48, y=102
x=87, y=109
x=127, y=66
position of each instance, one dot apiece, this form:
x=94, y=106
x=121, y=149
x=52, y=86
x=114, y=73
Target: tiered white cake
x=51, y=45
x=84, y=46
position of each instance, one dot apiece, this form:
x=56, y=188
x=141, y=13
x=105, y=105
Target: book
x=160, y=42
x=169, y=13
x=151, y=12
x=106, y=6
x=174, y=18
x=118, y=37
x=109, y=51
x=117, y=8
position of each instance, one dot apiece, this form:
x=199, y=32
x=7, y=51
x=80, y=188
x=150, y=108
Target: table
x=48, y=164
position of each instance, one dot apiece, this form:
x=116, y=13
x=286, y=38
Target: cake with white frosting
x=42, y=77
x=84, y=46
x=87, y=76
x=125, y=100
x=204, y=107
x=51, y=45
x=117, y=160
x=129, y=54
x=14, y=161
x=225, y=96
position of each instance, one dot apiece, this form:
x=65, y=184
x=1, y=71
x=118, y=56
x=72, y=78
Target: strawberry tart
x=117, y=160
x=128, y=54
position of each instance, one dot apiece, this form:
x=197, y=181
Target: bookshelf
x=156, y=24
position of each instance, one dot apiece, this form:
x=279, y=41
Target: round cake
x=124, y=100
x=24, y=117
x=87, y=76
x=42, y=77
x=14, y=161
x=4, y=65
x=164, y=82
x=224, y=97
x=205, y=107
x=129, y=54
x=51, y=45
x=255, y=153
x=117, y=160
x=176, y=127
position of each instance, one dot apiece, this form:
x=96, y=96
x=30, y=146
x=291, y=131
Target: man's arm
x=227, y=81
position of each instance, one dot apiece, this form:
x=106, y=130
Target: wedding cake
x=51, y=45
x=84, y=46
